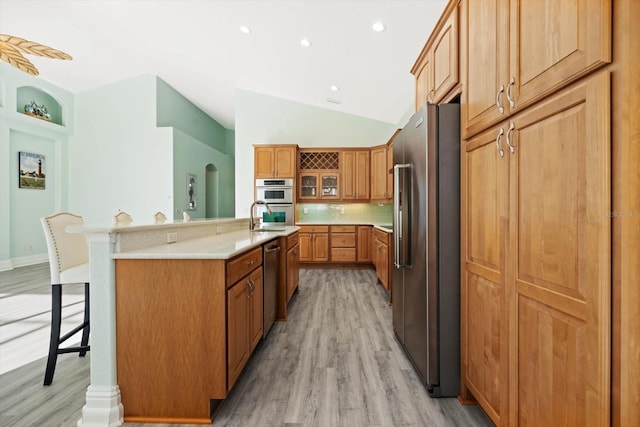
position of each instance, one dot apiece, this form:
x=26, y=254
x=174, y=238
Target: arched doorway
x=211, y=191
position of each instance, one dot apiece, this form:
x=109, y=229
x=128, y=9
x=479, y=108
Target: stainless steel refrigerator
x=426, y=273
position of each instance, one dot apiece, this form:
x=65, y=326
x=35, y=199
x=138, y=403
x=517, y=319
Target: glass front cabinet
x=319, y=186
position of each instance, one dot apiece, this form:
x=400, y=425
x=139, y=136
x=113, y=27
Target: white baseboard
x=24, y=261
x=6, y=265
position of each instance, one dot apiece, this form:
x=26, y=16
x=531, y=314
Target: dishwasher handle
x=272, y=249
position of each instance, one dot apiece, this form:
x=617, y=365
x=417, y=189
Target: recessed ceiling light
x=305, y=42
x=378, y=27
x=335, y=88
x=245, y=29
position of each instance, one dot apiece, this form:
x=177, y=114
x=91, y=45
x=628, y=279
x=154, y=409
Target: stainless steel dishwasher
x=271, y=267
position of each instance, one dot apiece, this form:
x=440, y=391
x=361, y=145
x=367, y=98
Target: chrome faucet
x=252, y=225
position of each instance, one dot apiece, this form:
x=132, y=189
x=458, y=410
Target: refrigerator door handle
x=402, y=193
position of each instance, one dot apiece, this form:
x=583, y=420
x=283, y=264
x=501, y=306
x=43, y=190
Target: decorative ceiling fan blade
x=11, y=55
x=33, y=48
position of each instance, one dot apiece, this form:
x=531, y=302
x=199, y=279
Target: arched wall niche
x=28, y=94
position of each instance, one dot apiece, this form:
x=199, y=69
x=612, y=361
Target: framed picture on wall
x=31, y=171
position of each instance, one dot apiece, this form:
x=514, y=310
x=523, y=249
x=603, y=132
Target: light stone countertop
x=217, y=246
x=380, y=226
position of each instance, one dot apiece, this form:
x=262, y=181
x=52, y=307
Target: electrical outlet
x=172, y=237
x=305, y=211
x=341, y=210
x=218, y=229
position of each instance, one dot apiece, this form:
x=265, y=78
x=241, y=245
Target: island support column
x=103, y=407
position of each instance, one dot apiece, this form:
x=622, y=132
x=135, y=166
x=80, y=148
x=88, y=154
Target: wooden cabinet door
x=285, y=162
x=321, y=246
x=424, y=83
x=484, y=57
x=379, y=173
x=384, y=266
x=363, y=249
x=237, y=331
x=445, y=59
x=309, y=186
x=348, y=168
x=305, y=247
x=264, y=162
x=362, y=177
x=293, y=270
x=255, y=308
x=547, y=52
x=560, y=233
x=329, y=185
x=484, y=204
x=389, y=168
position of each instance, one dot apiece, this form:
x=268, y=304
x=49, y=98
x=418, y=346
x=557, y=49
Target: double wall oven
x=278, y=193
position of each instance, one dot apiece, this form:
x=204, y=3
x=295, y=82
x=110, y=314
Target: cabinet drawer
x=381, y=235
x=343, y=254
x=343, y=240
x=241, y=265
x=292, y=240
x=343, y=228
x=314, y=228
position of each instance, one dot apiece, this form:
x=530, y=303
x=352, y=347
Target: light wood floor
x=334, y=363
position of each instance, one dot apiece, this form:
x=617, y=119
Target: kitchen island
x=173, y=324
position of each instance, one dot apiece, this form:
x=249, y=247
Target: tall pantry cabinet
x=536, y=187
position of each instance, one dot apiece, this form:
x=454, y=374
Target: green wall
x=174, y=110
x=124, y=146
x=21, y=237
x=119, y=160
x=192, y=157
x=143, y=137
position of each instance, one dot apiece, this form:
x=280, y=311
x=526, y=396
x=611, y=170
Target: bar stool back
x=68, y=263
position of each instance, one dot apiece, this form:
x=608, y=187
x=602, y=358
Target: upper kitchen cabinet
x=379, y=168
x=516, y=52
x=275, y=161
x=436, y=69
x=355, y=174
x=319, y=175
x=382, y=171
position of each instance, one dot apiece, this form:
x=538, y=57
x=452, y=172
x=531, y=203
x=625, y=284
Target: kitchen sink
x=267, y=229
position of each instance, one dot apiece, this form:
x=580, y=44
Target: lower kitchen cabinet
x=381, y=257
x=244, y=322
x=293, y=265
x=364, y=244
x=314, y=243
x=343, y=243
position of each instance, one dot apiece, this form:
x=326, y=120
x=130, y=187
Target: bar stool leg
x=56, y=319
x=85, y=330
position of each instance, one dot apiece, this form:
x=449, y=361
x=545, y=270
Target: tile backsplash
x=375, y=213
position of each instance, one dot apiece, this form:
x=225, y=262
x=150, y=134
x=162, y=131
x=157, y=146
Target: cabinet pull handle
x=512, y=126
x=512, y=102
x=250, y=262
x=500, y=107
x=429, y=97
x=252, y=287
x=500, y=150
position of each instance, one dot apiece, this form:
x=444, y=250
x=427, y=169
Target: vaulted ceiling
x=197, y=47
